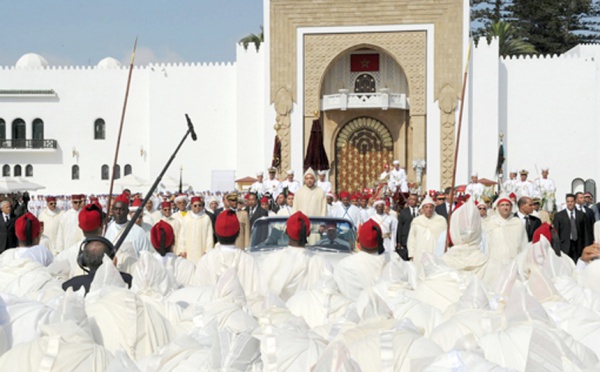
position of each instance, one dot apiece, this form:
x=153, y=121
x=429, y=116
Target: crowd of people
x=438, y=282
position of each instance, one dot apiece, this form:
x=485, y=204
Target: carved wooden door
x=363, y=146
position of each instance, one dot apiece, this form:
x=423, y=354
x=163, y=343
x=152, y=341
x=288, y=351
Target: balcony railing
x=28, y=144
x=379, y=100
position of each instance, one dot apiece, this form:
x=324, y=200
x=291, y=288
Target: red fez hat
x=227, y=224
x=512, y=195
x=546, y=230
x=196, y=199
x=50, y=199
x=123, y=198
x=21, y=227
x=295, y=226
x=369, y=235
x=290, y=193
x=365, y=197
x=93, y=199
x=162, y=235
x=165, y=204
x=264, y=200
x=90, y=217
x=136, y=202
x=247, y=196
x=355, y=197
x=344, y=194
x=501, y=200
x=75, y=197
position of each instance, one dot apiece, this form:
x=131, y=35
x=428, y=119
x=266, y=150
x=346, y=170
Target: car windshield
x=326, y=234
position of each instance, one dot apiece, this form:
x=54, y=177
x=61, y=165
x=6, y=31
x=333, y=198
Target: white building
x=72, y=114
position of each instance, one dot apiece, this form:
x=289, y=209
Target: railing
x=381, y=100
x=28, y=144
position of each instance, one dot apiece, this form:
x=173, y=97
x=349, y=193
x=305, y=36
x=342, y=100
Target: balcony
x=28, y=144
x=379, y=100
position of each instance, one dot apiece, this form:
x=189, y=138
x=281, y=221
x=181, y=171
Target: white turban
x=427, y=200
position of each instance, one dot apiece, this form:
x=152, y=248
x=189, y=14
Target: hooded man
x=310, y=199
x=425, y=230
x=226, y=255
x=294, y=268
x=362, y=270
x=28, y=231
x=505, y=233
x=162, y=237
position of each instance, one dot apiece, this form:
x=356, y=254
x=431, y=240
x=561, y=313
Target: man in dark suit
x=569, y=223
x=531, y=223
x=8, y=239
x=443, y=208
x=254, y=210
x=405, y=218
x=589, y=219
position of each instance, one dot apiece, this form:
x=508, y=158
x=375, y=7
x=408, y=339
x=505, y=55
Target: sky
x=84, y=32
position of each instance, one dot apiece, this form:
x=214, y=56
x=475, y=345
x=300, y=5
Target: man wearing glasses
x=69, y=232
x=50, y=217
x=167, y=216
x=196, y=231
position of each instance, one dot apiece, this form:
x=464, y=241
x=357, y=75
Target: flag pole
x=460, y=116
x=112, y=178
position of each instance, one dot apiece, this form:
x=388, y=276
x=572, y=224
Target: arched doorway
x=362, y=147
x=18, y=133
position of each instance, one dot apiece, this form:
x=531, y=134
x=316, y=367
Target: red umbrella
x=316, y=157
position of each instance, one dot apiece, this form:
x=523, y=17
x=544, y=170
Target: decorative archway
x=361, y=148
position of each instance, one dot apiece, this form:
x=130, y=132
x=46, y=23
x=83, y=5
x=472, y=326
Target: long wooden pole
x=112, y=178
x=460, y=115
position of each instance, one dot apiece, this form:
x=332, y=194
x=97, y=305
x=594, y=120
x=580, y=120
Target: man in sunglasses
x=50, y=217
x=69, y=232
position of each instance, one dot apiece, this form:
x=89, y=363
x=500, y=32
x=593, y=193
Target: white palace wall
x=547, y=108
x=221, y=99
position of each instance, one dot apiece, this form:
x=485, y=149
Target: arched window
x=127, y=169
x=117, y=172
x=99, y=129
x=75, y=172
x=37, y=130
x=104, y=172
x=577, y=185
x=364, y=83
x=29, y=170
x=6, y=170
x=18, y=133
x=590, y=186
x=17, y=171
x=2, y=129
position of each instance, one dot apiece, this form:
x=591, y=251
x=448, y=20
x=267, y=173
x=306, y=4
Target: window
x=117, y=172
x=2, y=129
x=37, y=134
x=364, y=83
x=6, y=170
x=75, y=172
x=104, y=172
x=127, y=169
x=18, y=133
x=17, y=171
x=29, y=170
x=99, y=129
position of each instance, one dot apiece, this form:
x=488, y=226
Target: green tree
x=253, y=39
x=486, y=12
x=555, y=26
x=510, y=43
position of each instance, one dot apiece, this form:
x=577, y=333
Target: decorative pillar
x=447, y=102
x=419, y=166
x=283, y=107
